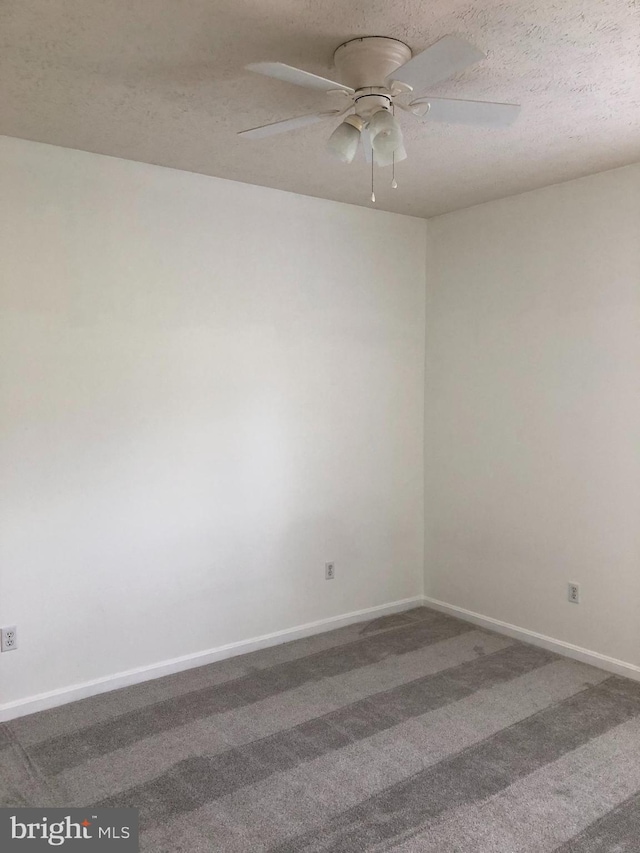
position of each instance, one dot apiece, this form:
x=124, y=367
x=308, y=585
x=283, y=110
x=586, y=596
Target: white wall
x=208, y=389
x=533, y=411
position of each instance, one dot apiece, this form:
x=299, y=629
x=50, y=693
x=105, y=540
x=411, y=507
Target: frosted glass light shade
x=387, y=159
x=385, y=132
x=343, y=142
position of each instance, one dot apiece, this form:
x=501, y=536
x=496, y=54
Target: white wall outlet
x=573, y=593
x=8, y=639
x=329, y=571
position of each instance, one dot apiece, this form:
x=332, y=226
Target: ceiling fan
x=379, y=75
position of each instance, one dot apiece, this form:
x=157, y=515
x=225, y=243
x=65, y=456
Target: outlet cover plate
x=573, y=593
x=8, y=638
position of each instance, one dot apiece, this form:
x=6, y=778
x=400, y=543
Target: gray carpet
x=415, y=732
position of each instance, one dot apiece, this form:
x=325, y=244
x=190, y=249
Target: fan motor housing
x=370, y=100
x=365, y=63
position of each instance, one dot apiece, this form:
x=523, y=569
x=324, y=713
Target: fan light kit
x=380, y=74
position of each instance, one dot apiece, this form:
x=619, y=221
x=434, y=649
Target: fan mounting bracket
x=367, y=62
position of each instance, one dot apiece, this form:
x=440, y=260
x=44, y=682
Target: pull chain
x=394, y=183
x=373, y=195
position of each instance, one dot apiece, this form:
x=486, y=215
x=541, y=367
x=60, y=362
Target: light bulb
x=394, y=184
x=386, y=136
x=343, y=142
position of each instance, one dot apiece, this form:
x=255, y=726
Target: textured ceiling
x=162, y=81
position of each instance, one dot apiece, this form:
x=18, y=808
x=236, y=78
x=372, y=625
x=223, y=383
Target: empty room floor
x=414, y=732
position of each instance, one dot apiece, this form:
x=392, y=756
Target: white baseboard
x=619, y=667
x=54, y=698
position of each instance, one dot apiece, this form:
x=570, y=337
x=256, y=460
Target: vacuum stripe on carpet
x=478, y=772
x=85, y=713
x=191, y=783
x=617, y=832
x=286, y=804
x=151, y=756
x=546, y=808
x=74, y=748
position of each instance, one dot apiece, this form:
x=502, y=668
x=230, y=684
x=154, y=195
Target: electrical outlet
x=8, y=639
x=329, y=571
x=573, y=593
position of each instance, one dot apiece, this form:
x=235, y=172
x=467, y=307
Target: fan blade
x=365, y=138
x=456, y=111
x=287, y=124
x=289, y=74
x=443, y=59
